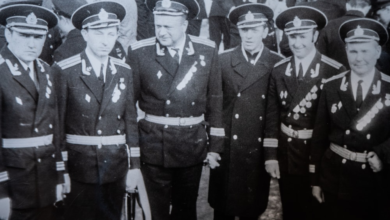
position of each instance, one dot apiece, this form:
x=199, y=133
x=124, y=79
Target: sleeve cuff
x=270, y=142
x=135, y=152
x=271, y=162
x=219, y=132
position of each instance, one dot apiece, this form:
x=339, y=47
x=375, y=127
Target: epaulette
x=385, y=77
x=69, y=62
x=200, y=40
x=119, y=62
x=285, y=60
x=278, y=54
x=338, y=76
x=331, y=62
x=42, y=61
x=227, y=51
x=143, y=43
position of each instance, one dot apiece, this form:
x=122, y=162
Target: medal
x=202, y=63
x=314, y=96
x=48, y=90
x=308, y=97
x=334, y=108
x=303, y=102
x=296, y=116
x=283, y=103
x=49, y=83
x=375, y=111
x=308, y=104
x=303, y=110
x=387, y=102
x=122, y=86
x=47, y=96
x=359, y=127
x=379, y=105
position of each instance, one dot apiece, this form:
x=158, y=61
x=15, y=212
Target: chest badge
x=159, y=74
x=18, y=100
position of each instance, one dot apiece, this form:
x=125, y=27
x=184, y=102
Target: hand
x=132, y=179
x=273, y=169
x=66, y=186
x=59, y=192
x=212, y=159
x=317, y=193
x=5, y=209
x=374, y=161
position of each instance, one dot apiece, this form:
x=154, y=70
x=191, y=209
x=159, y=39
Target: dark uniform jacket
x=87, y=109
x=294, y=105
x=338, y=121
x=165, y=88
x=75, y=44
x=240, y=185
x=27, y=113
x=330, y=44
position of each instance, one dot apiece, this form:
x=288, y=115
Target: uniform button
x=53, y=155
x=118, y=131
x=237, y=116
x=368, y=136
x=239, y=95
x=345, y=146
x=364, y=166
x=193, y=103
x=347, y=132
x=167, y=115
x=168, y=102
x=289, y=139
x=344, y=160
x=99, y=132
x=261, y=118
x=51, y=46
x=105, y=161
x=100, y=117
x=119, y=117
x=305, y=142
x=259, y=139
x=166, y=126
x=39, y=160
x=36, y=130
x=235, y=137
x=50, y=126
x=263, y=96
x=49, y=35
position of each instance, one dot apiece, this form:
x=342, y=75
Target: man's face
x=362, y=57
x=384, y=15
x=26, y=47
x=302, y=44
x=100, y=41
x=170, y=29
x=252, y=38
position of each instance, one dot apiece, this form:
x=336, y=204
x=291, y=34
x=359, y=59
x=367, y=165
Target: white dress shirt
x=367, y=81
x=180, y=45
x=306, y=61
x=258, y=55
x=96, y=63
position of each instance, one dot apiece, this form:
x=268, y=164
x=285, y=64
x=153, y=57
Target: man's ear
x=315, y=36
x=265, y=32
x=84, y=33
x=7, y=34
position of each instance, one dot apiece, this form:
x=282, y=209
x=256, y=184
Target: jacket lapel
x=111, y=79
x=239, y=63
x=257, y=71
x=187, y=62
x=19, y=73
x=290, y=79
x=45, y=89
x=165, y=59
x=346, y=96
x=89, y=77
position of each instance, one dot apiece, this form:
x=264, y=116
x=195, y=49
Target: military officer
x=351, y=133
x=295, y=85
x=30, y=157
x=98, y=116
x=73, y=42
x=240, y=186
x=178, y=85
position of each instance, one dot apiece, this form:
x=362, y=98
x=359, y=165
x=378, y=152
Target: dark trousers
x=221, y=216
x=95, y=201
x=297, y=199
x=45, y=213
x=337, y=209
x=178, y=186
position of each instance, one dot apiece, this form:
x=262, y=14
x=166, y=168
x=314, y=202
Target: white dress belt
x=95, y=140
x=174, y=121
x=299, y=134
x=27, y=142
x=347, y=154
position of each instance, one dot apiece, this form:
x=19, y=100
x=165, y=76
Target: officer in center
x=178, y=85
x=295, y=85
x=98, y=118
x=240, y=186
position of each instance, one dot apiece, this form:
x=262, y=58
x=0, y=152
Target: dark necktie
x=176, y=56
x=34, y=78
x=101, y=76
x=300, y=73
x=359, y=94
x=251, y=57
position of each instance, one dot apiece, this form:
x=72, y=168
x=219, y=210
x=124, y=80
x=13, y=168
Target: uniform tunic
x=240, y=186
x=27, y=112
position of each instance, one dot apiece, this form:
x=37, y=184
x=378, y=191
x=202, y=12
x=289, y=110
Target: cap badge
x=103, y=15
x=297, y=22
x=31, y=18
x=166, y=3
x=249, y=16
x=358, y=31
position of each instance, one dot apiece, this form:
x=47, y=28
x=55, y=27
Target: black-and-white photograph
x=194, y=110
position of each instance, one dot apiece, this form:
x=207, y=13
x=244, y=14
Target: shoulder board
x=119, y=62
x=385, y=77
x=285, y=60
x=338, y=76
x=227, y=51
x=200, y=40
x=143, y=43
x=278, y=54
x=331, y=62
x=69, y=62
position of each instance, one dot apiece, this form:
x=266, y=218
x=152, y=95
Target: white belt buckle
x=182, y=121
x=353, y=156
x=295, y=134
